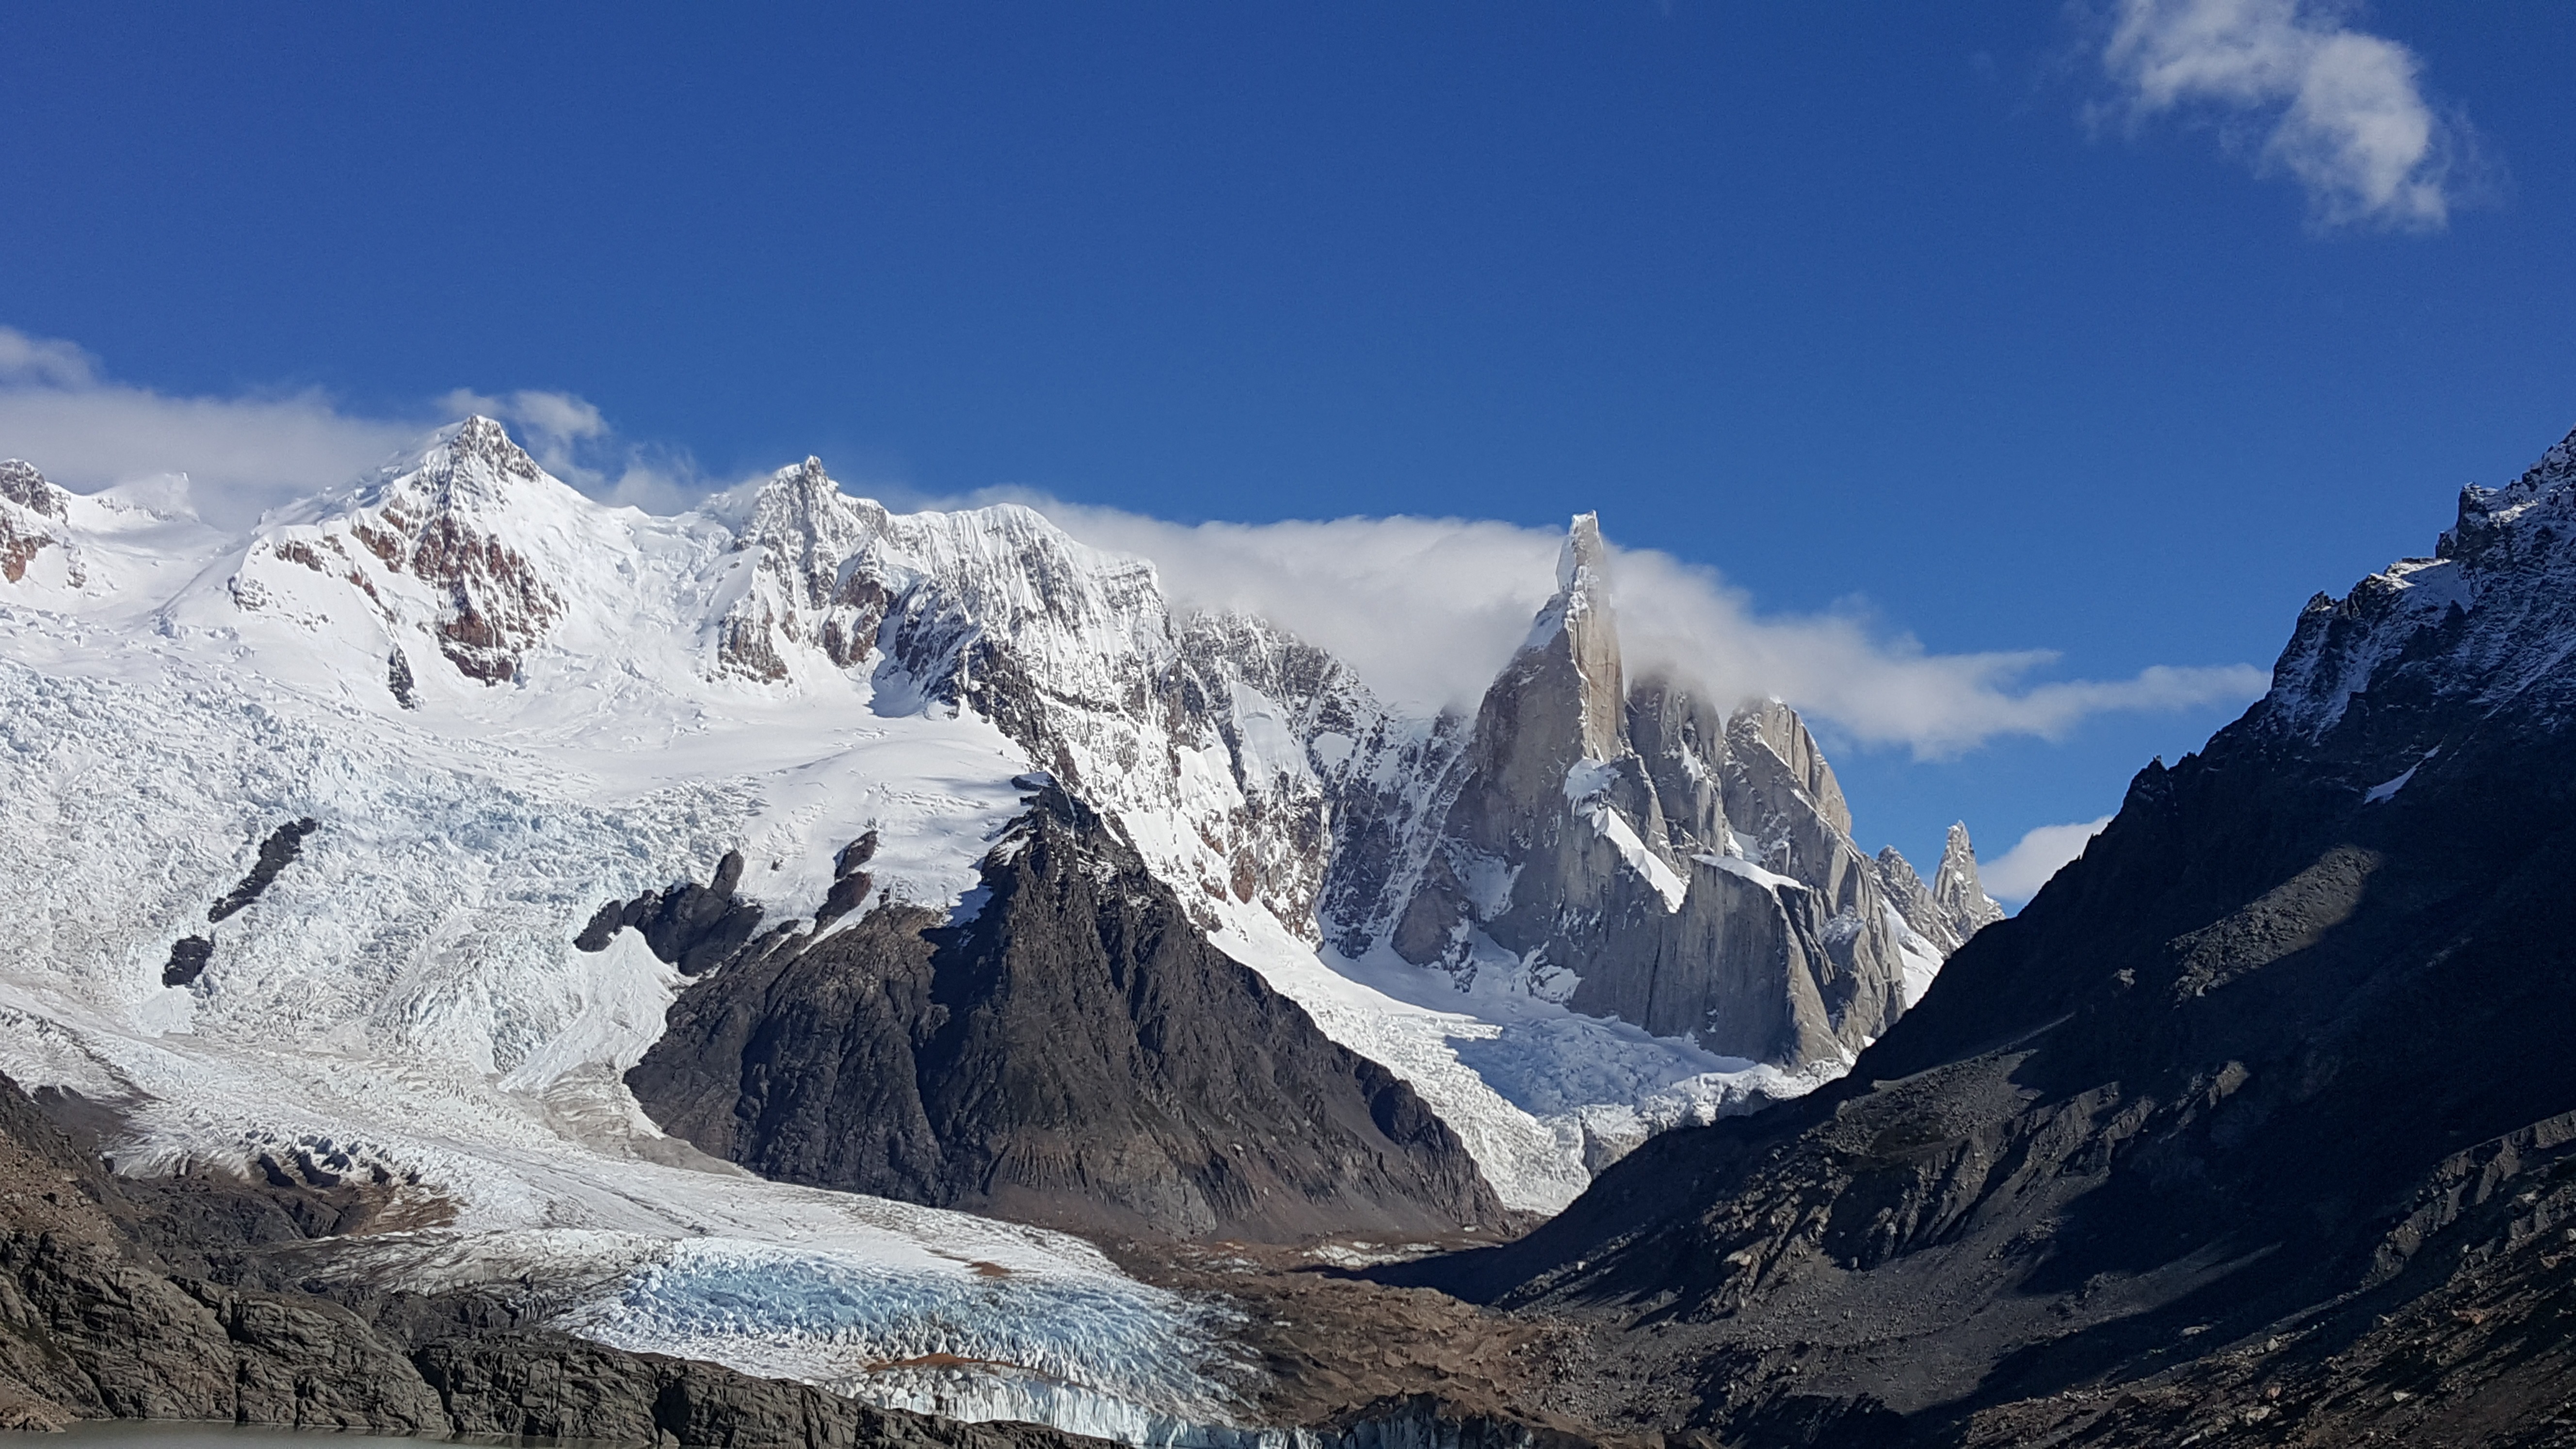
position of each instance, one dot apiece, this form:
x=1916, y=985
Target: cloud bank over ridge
x=1426, y=609
x=249, y=452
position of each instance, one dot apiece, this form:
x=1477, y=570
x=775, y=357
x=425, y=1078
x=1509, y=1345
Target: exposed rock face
x=190, y=955
x=2272, y=1084
x=693, y=927
x=429, y=523
x=1637, y=853
x=21, y=484
x=276, y=853
x=1953, y=907
x=1957, y=894
x=1077, y=1055
x=398, y=679
x=23, y=533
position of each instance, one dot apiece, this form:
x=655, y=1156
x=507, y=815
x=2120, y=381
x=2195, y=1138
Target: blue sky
x=1936, y=318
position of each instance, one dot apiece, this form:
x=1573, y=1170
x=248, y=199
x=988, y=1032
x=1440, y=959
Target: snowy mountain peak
x=2489, y=619
x=468, y=467
x=811, y=585
x=806, y=526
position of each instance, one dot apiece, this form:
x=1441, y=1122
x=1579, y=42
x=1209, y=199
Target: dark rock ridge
x=2259, y=1120
x=1076, y=1054
x=693, y=927
x=186, y=1299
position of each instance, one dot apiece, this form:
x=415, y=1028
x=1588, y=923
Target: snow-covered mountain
x=307, y=822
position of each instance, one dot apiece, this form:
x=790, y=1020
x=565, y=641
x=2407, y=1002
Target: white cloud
x=247, y=453
x=1427, y=610
x=2017, y=874
x=570, y=439
x=241, y=454
x=43, y=362
x=2288, y=81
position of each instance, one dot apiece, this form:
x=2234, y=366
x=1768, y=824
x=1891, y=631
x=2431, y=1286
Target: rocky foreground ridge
x=2257, y=1126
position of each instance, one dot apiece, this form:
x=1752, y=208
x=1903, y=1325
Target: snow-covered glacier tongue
x=1594, y=908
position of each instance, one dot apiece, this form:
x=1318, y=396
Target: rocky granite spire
x=2266, y=1099
x=1580, y=616
x=1956, y=892
x=1639, y=853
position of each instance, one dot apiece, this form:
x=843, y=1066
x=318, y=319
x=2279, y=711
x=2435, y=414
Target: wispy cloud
x=570, y=439
x=2298, y=91
x=2017, y=874
x=1427, y=610
x=241, y=454
x=248, y=452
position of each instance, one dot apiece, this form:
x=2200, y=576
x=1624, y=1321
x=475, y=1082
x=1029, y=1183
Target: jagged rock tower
x=1634, y=851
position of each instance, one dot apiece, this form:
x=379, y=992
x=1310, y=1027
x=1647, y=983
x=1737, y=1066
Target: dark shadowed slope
x=1078, y=1054
x=2265, y=1108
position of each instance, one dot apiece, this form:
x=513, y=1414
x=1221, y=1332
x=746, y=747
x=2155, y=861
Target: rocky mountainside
x=2254, y=1126
x=1074, y=1054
